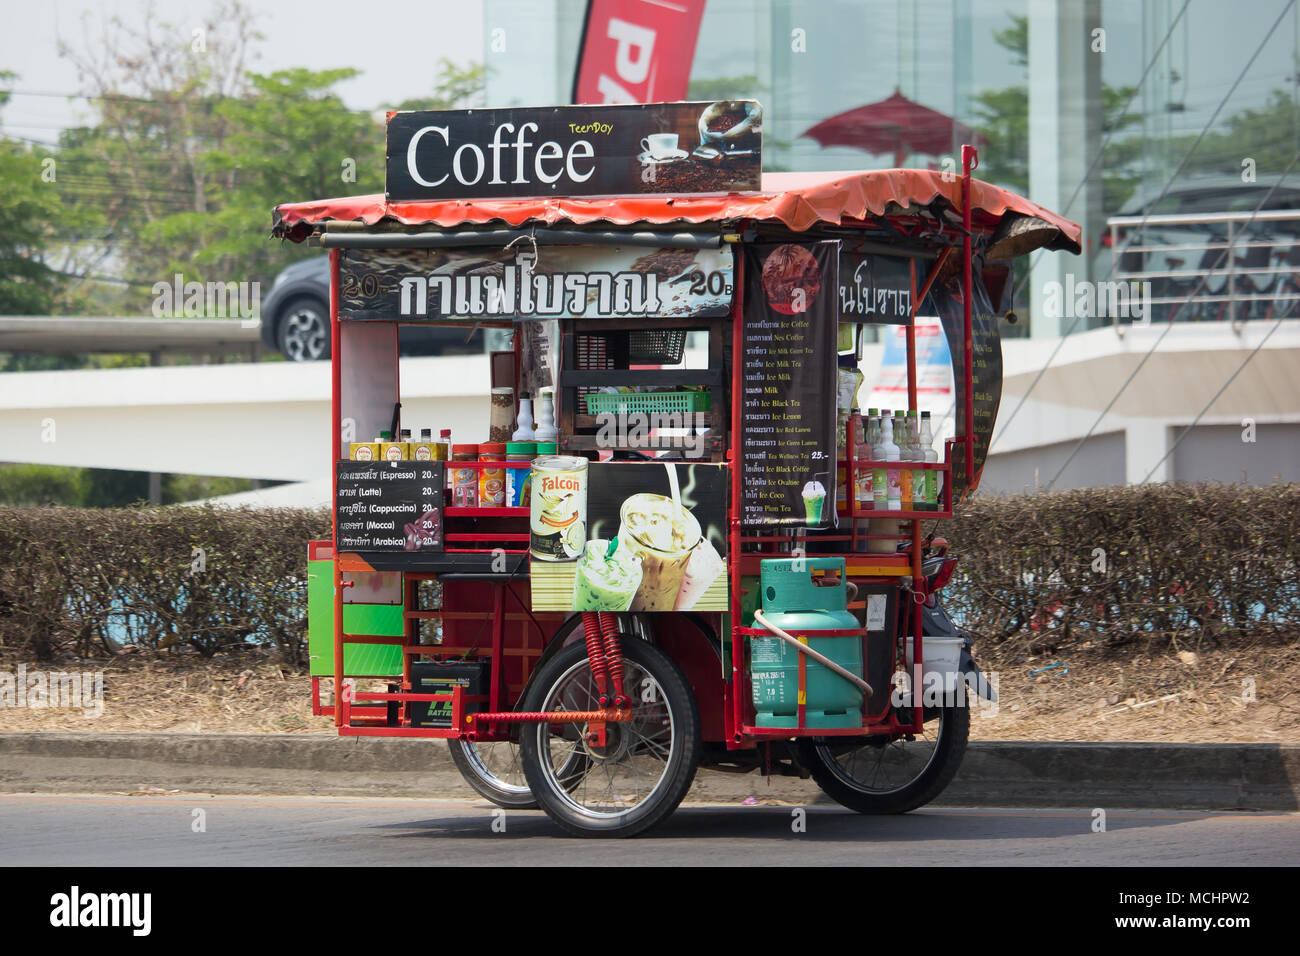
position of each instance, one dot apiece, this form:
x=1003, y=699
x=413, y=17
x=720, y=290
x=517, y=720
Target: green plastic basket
x=660, y=403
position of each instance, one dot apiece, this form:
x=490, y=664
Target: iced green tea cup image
x=605, y=580
x=814, y=497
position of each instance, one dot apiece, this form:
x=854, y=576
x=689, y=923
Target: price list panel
x=787, y=427
x=390, y=506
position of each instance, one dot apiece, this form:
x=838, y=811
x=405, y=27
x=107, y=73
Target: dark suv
x=296, y=319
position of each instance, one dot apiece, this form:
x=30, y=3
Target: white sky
x=395, y=43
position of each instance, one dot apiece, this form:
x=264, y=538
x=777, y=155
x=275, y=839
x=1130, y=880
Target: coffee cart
x=697, y=578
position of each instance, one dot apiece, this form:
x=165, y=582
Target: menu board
x=390, y=506
x=875, y=288
x=787, y=427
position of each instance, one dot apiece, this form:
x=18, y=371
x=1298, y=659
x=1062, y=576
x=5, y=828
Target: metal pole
x=336, y=450
x=969, y=160
x=733, y=455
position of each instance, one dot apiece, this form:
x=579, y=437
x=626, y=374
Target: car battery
x=439, y=677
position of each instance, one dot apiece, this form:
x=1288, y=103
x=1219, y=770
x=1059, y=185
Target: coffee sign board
x=696, y=147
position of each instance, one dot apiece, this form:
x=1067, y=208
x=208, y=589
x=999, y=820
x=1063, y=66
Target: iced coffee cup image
x=663, y=537
x=606, y=577
x=702, y=569
x=814, y=495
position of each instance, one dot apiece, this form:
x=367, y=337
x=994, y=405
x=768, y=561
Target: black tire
x=841, y=767
x=480, y=771
x=565, y=683
x=302, y=331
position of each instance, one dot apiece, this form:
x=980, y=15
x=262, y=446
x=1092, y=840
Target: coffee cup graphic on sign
x=791, y=279
x=660, y=145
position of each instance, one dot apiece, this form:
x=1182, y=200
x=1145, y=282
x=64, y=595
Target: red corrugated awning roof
x=799, y=200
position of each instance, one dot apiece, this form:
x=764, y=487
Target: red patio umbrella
x=898, y=125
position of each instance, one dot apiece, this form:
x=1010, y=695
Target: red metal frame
x=366, y=714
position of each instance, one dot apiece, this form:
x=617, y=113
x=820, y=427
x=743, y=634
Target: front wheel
x=645, y=766
x=879, y=775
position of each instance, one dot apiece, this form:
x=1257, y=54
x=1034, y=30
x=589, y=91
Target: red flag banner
x=637, y=51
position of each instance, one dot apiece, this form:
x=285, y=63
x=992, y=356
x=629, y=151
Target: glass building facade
x=1093, y=108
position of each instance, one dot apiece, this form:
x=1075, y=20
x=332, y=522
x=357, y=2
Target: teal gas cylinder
x=794, y=601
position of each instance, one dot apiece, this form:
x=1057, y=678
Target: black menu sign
x=787, y=445
x=986, y=366
x=704, y=147
x=390, y=506
x=875, y=288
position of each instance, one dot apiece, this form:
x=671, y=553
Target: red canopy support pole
x=737, y=683
x=336, y=448
x=911, y=340
x=969, y=161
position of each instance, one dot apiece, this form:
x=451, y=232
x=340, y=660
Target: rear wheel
x=880, y=775
x=645, y=766
x=494, y=770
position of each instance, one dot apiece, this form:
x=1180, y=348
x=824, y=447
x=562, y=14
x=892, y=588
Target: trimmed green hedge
x=1188, y=561
x=74, y=580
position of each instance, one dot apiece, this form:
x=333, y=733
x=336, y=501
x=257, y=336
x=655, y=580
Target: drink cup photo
x=652, y=530
x=702, y=569
x=605, y=579
x=814, y=495
x=660, y=145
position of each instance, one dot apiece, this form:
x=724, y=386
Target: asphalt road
x=80, y=830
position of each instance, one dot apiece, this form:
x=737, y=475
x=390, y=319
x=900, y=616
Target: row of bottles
x=885, y=436
x=385, y=448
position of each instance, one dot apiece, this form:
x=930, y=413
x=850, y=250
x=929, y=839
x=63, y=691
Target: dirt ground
x=1243, y=693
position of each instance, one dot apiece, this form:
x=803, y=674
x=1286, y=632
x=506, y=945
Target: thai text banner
x=524, y=282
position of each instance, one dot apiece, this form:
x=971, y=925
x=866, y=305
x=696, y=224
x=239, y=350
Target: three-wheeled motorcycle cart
x=760, y=612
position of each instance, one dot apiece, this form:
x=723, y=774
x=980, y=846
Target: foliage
x=1192, y=563
x=29, y=208
x=1002, y=118
x=192, y=148
x=82, y=581
x=22, y=485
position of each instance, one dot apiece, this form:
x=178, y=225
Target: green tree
x=454, y=88
x=193, y=148
x=1002, y=118
x=29, y=213
x=293, y=139
x=1269, y=135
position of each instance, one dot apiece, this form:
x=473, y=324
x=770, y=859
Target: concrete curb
x=993, y=774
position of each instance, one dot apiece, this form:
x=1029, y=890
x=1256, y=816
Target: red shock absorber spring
x=596, y=654
x=613, y=657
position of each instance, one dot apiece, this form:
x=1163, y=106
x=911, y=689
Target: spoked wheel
x=645, y=766
x=879, y=775
x=493, y=768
